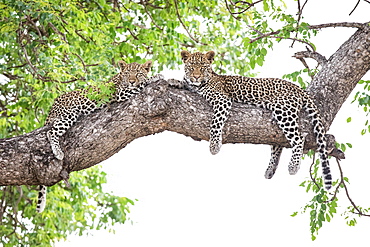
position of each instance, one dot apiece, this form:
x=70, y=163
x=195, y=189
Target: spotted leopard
x=68, y=107
x=283, y=98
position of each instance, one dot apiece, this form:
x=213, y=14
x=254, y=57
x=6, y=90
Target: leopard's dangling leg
x=221, y=107
x=274, y=161
x=288, y=122
x=54, y=142
x=60, y=126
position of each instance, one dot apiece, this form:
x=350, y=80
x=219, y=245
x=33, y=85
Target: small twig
x=34, y=24
x=311, y=54
x=95, y=64
x=355, y=7
x=300, y=11
x=183, y=25
x=150, y=16
x=311, y=176
x=151, y=5
x=29, y=62
x=132, y=34
x=57, y=31
x=339, y=24
x=82, y=61
x=299, y=40
x=82, y=37
x=231, y=13
x=239, y=7
x=359, y=212
x=17, y=66
x=73, y=80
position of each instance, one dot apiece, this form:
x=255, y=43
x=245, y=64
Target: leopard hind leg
x=288, y=122
x=274, y=161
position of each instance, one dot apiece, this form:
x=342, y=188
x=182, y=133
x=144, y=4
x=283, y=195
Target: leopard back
x=283, y=98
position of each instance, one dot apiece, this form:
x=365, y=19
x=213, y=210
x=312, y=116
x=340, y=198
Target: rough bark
x=28, y=159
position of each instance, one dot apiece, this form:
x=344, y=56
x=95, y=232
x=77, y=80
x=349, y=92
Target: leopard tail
x=319, y=131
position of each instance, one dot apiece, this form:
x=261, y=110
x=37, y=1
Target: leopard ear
x=122, y=65
x=147, y=65
x=185, y=55
x=210, y=55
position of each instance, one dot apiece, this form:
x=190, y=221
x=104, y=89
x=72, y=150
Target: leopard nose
x=196, y=76
x=132, y=81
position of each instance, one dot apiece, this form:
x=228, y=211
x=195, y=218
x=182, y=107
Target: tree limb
x=28, y=159
x=338, y=24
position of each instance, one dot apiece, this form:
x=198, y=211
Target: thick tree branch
x=28, y=159
x=341, y=73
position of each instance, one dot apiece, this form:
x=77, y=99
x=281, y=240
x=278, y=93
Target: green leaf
x=294, y=214
x=264, y=51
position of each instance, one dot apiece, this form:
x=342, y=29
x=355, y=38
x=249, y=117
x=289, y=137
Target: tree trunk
x=28, y=159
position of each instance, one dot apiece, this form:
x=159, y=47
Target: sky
x=188, y=197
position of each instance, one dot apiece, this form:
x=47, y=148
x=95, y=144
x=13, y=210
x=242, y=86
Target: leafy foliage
x=363, y=99
x=77, y=209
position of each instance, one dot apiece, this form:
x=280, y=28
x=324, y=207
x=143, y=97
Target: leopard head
x=198, y=66
x=132, y=75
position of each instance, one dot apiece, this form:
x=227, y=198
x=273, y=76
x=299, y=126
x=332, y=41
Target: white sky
x=187, y=197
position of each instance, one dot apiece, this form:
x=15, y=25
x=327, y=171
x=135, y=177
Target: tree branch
x=28, y=159
x=355, y=7
x=339, y=24
x=311, y=54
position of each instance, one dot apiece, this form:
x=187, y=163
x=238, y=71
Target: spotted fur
x=283, y=98
x=68, y=107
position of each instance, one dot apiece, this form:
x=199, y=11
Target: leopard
x=283, y=98
x=69, y=107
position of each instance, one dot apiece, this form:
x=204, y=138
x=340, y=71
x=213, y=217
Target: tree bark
x=28, y=159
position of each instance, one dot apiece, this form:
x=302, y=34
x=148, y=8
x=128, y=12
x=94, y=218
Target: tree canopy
x=49, y=47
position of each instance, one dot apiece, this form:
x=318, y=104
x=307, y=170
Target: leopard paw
x=58, y=153
x=176, y=83
x=293, y=169
x=215, y=147
x=269, y=173
x=156, y=78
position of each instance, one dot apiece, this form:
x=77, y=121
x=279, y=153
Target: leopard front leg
x=64, y=121
x=60, y=126
x=221, y=107
x=274, y=161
